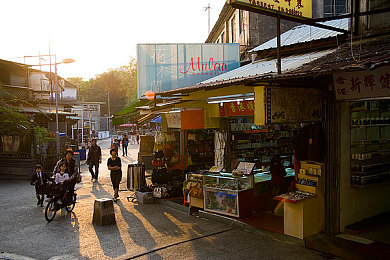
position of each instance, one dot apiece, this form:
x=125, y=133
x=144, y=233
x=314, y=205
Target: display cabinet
x=228, y=195
x=251, y=143
x=370, y=142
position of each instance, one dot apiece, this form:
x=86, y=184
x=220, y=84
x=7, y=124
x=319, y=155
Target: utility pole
x=57, y=125
x=109, y=112
x=208, y=10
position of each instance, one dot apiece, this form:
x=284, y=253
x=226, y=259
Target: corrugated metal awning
x=305, y=33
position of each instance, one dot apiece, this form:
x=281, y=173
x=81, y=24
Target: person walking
x=71, y=169
x=94, y=158
x=39, y=181
x=114, y=164
x=116, y=144
x=125, y=143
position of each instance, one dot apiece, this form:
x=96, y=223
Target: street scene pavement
x=149, y=231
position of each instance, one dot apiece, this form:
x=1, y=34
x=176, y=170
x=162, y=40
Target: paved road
x=141, y=232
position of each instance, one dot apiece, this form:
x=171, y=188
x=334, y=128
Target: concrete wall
x=16, y=168
x=69, y=94
x=318, y=8
x=357, y=203
x=262, y=28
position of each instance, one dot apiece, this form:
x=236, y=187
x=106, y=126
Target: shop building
x=307, y=90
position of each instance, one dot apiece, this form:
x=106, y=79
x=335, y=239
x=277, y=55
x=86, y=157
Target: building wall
x=247, y=28
x=263, y=28
x=69, y=94
x=357, y=203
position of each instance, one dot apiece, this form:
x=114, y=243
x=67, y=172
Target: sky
x=97, y=34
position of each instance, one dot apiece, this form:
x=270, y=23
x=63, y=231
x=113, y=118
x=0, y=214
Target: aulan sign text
x=204, y=68
x=166, y=66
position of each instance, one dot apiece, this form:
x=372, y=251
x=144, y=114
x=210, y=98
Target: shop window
x=241, y=21
x=370, y=142
x=232, y=29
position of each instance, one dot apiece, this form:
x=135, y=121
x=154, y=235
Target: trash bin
x=76, y=157
x=135, y=177
x=83, y=154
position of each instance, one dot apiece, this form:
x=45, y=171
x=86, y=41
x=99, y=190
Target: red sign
x=362, y=84
x=206, y=67
x=242, y=108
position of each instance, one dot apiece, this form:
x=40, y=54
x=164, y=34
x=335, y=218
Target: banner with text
x=162, y=67
x=362, y=84
x=293, y=105
x=235, y=108
x=295, y=8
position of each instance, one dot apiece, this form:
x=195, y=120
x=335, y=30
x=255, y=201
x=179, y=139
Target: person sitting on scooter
x=60, y=180
x=71, y=169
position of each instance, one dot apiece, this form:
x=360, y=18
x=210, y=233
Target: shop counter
x=228, y=195
x=303, y=218
x=304, y=210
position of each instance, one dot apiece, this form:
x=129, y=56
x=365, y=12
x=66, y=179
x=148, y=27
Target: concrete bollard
x=103, y=212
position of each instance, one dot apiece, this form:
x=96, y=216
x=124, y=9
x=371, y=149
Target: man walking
x=125, y=143
x=94, y=159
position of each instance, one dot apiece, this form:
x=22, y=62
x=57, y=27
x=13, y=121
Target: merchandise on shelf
x=370, y=142
x=260, y=144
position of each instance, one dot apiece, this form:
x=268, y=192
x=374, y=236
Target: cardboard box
x=144, y=197
x=146, y=144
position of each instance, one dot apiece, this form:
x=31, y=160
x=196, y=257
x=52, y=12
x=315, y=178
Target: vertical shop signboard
x=362, y=84
x=293, y=105
x=163, y=67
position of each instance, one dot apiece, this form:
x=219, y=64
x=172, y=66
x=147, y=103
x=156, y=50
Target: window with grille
x=241, y=21
x=334, y=7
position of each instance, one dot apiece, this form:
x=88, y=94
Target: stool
x=103, y=212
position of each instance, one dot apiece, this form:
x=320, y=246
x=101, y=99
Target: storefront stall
x=364, y=100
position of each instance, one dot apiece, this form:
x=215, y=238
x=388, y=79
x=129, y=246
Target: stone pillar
x=103, y=213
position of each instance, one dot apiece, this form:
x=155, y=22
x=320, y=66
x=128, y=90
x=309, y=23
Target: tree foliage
x=15, y=122
x=120, y=83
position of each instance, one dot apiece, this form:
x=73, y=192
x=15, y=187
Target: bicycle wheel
x=71, y=205
x=50, y=211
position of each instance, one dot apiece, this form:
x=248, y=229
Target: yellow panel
x=259, y=106
x=164, y=125
x=210, y=121
x=295, y=8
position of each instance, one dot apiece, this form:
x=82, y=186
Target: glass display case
x=228, y=195
x=370, y=142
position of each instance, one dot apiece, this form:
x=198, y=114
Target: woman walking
x=114, y=164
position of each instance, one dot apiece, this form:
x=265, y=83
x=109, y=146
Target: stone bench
x=103, y=212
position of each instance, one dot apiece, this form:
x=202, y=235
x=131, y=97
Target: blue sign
x=162, y=67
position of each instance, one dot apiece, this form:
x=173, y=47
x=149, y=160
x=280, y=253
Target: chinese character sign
x=295, y=105
x=362, y=84
x=162, y=67
x=242, y=108
x=295, y=8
